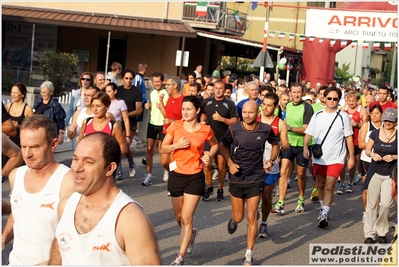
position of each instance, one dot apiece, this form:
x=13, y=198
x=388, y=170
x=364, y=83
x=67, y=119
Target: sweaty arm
x=8, y=232
x=136, y=235
x=351, y=151
x=72, y=130
x=137, y=112
x=13, y=152
x=283, y=135
x=118, y=135
x=362, y=136
x=8, y=128
x=306, y=143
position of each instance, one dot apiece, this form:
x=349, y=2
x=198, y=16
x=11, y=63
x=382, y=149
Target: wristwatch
x=289, y=128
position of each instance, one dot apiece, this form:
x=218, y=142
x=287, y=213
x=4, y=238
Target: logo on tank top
x=103, y=247
x=63, y=241
x=16, y=202
x=48, y=205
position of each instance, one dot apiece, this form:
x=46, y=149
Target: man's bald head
x=250, y=105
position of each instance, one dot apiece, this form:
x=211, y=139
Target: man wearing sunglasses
x=329, y=165
x=133, y=98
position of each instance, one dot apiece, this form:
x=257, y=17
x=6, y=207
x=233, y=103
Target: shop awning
x=90, y=20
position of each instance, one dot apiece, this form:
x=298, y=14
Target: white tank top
x=370, y=128
x=35, y=218
x=97, y=247
x=79, y=120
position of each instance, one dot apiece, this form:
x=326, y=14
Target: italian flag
x=292, y=36
x=376, y=45
x=281, y=35
x=344, y=43
x=354, y=43
x=321, y=40
x=201, y=8
x=302, y=38
x=311, y=38
x=387, y=46
x=365, y=44
x=332, y=42
x=237, y=19
x=272, y=34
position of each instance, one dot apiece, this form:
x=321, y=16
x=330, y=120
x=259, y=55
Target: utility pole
x=393, y=69
x=264, y=48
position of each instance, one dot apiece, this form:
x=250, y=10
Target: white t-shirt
x=334, y=148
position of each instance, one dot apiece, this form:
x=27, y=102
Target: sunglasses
x=332, y=98
x=86, y=79
x=126, y=78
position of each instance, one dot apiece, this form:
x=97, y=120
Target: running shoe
x=231, y=226
x=144, y=161
x=369, y=240
x=119, y=176
x=382, y=240
x=179, y=260
x=358, y=179
x=301, y=206
x=349, y=188
x=320, y=213
x=278, y=208
x=220, y=196
x=315, y=195
x=132, y=170
x=248, y=260
x=191, y=245
x=323, y=222
x=148, y=180
x=165, y=176
x=289, y=183
x=341, y=189
x=215, y=175
x=137, y=139
x=262, y=233
x=207, y=193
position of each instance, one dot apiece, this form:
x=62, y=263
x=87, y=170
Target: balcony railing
x=228, y=22
x=217, y=19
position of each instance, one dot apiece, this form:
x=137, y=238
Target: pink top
x=90, y=127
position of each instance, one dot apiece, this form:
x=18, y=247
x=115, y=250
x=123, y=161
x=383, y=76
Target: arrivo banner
x=352, y=25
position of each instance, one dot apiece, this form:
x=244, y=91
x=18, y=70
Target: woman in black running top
x=18, y=109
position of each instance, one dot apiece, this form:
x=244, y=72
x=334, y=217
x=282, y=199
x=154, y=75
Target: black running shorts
x=245, y=191
x=193, y=184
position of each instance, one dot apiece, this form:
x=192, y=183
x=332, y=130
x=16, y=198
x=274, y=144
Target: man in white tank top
x=36, y=191
x=99, y=224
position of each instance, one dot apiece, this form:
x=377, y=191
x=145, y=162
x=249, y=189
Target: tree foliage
x=343, y=73
x=59, y=68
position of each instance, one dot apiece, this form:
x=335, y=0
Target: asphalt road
x=289, y=234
